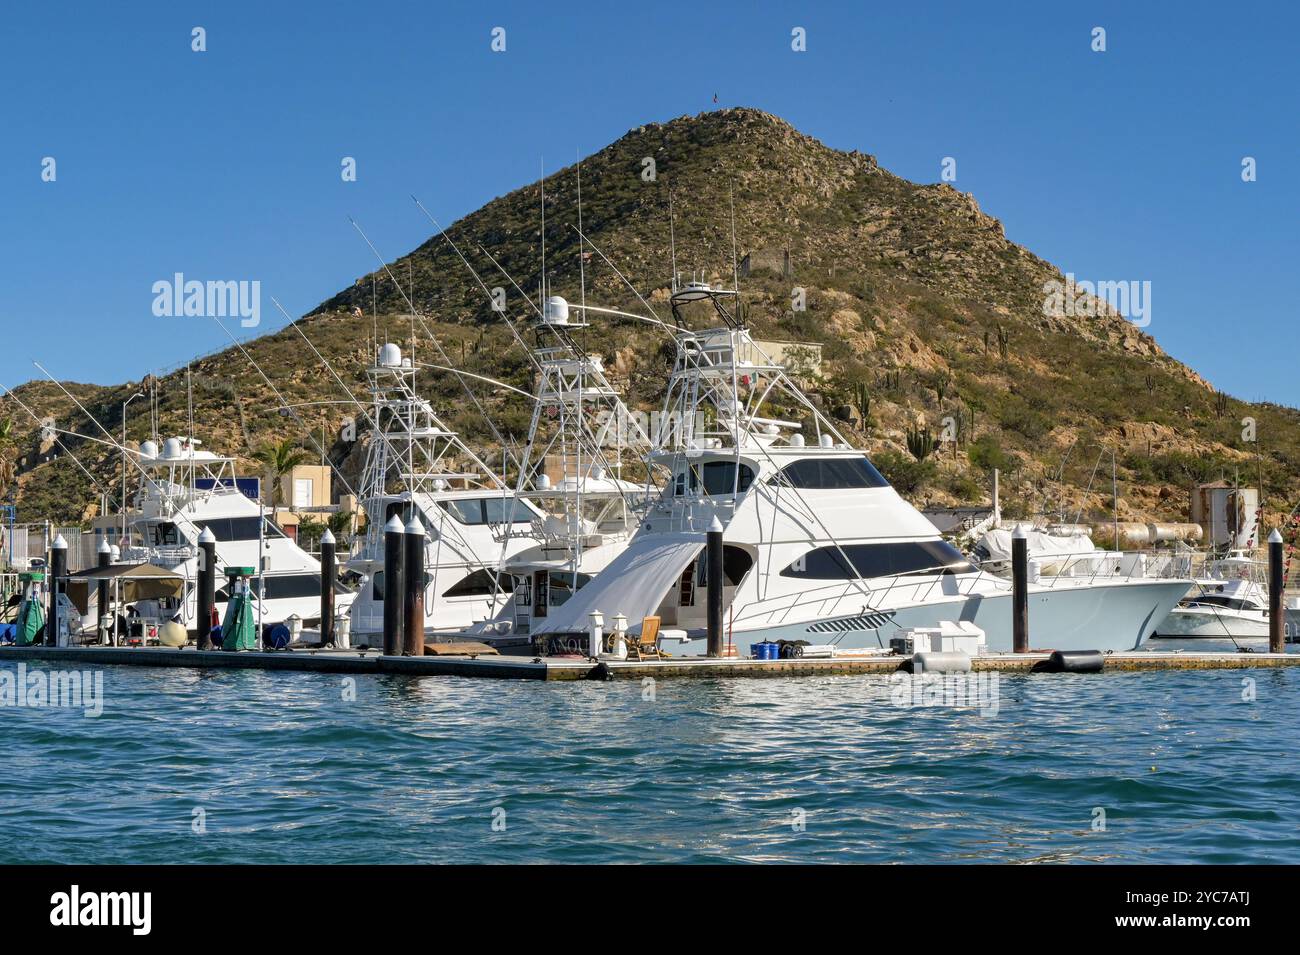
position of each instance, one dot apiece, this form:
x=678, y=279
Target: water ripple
x=246, y=766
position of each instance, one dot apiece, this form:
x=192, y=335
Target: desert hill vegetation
x=937, y=354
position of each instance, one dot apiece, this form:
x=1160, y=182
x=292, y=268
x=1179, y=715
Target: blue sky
x=1122, y=165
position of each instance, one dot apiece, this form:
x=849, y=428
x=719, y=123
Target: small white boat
x=1229, y=609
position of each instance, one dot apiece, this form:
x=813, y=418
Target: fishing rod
x=309, y=431
x=54, y=433
x=505, y=445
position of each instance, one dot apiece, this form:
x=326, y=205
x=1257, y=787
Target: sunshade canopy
x=633, y=584
x=134, y=582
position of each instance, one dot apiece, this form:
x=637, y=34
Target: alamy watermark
x=1083, y=299
x=64, y=689
x=980, y=691
x=178, y=297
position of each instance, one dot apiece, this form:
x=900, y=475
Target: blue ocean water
x=248, y=766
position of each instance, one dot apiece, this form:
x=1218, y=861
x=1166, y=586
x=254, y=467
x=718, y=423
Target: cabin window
x=491, y=510
x=377, y=585
x=166, y=534
x=855, y=561
x=479, y=584
x=735, y=565
x=830, y=474
x=240, y=528
x=718, y=478
x=287, y=586
x=562, y=586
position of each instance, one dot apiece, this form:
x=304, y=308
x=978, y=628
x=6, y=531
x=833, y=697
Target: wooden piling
x=714, y=585
x=104, y=557
x=1276, y=583
x=1019, y=592
x=413, y=563
x=58, y=570
x=327, y=589
x=206, y=600
x=393, y=587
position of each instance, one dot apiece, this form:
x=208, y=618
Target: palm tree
x=279, y=459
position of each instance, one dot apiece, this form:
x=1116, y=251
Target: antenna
x=735, y=269
x=542, y=184
x=582, y=265
x=672, y=239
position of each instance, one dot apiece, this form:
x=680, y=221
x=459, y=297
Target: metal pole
x=413, y=565
x=714, y=582
x=206, y=598
x=1019, y=591
x=105, y=555
x=1276, y=582
x=327, y=589
x=58, y=569
x=393, y=587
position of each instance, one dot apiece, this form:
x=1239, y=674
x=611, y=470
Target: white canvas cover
x=996, y=546
x=633, y=584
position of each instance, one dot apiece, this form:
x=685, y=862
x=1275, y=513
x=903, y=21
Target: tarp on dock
x=633, y=584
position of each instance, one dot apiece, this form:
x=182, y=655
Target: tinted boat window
x=878, y=560
x=719, y=478
x=479, y=584
x=239, y=528
x=830, y=474
x=491, y=510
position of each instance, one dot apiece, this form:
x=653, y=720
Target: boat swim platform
x=575, y=668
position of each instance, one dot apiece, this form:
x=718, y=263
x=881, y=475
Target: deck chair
x=647, y=644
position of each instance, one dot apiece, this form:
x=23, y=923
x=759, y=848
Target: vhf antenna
x=672, y=239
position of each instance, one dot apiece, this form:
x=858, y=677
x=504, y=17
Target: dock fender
x=952, y=661
x=599, y=672
x=1072, y=661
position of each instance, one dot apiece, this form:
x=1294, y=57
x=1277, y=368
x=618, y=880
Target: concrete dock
x=573, y=668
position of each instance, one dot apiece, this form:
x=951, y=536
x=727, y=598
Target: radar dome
x=557, y=311
x=390, y=356
x=149, y=449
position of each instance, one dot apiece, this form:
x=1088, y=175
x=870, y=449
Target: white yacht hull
x=1213, y=624
x=1118, y=616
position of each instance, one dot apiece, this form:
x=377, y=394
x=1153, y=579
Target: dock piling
x=327, y=549
x=58, y=570
x=1019, y=591
x=1276, y=583
x=104, y=557
x=713, y=571
x=393, y=585
x=206, y=600
x=413, y=563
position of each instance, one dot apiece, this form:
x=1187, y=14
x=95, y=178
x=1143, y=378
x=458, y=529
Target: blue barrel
x=214, y=636
x=8, y=632
x=756, y=651
x=773, y=650
x=277, y=636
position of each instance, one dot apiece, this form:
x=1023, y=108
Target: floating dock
x=574, y=668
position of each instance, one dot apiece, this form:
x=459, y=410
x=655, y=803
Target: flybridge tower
x=411, y=450
x=592, y=427
x=725, y=391
x=579, y=419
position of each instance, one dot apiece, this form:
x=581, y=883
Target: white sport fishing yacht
x=1229, y=602
x=581, y=426
x=185, y=489
x=817, y=546
x=473, y=522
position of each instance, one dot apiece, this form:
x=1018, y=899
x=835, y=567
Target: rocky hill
x=931, y=322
